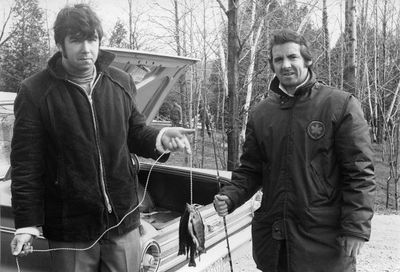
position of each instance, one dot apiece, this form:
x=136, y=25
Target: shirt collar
x=299, y=86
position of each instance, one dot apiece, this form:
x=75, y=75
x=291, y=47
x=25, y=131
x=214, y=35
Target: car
x=165, y=189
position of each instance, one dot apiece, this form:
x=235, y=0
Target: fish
x=191, y=233
x=196, y=228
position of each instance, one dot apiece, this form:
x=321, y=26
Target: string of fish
x=107, y=230
x=191, y=227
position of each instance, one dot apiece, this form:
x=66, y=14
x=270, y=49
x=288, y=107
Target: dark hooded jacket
x=311, y=155
x=72, y=171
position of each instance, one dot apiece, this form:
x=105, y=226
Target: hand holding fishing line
x=174, y=139
x=221, y=204
x=21, y=245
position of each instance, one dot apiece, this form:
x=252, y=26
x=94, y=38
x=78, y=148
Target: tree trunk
x=377, y=124
x=233, y=78
x=204, y=89
x=130, y=14
x=224, y=95
x=253, y=42
x=350, y=65
x=326, y=42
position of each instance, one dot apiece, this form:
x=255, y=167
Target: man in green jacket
x=308, y=148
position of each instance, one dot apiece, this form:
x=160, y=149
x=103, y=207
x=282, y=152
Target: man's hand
x=174, y=139
x=21, y=244
x=351, y=245
x=221, y=204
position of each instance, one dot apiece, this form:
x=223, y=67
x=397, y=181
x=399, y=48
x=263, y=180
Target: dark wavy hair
x=79, y=21
x=285, y=36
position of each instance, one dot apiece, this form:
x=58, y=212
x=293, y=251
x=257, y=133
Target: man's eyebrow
x=83, y=36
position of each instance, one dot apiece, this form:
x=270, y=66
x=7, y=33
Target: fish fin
x=183, y=233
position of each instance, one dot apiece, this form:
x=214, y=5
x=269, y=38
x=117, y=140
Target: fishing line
x=107, y=230
x=191, y=178
x=219, y=186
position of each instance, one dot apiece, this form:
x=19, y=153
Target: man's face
x=79, y=55
x=289, y=65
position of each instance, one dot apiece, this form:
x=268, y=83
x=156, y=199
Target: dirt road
x=381, y=254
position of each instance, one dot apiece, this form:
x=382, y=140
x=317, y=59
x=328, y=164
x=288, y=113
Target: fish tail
x=192, y=262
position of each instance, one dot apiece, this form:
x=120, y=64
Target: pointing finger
x=187, y=145
x=187, y=131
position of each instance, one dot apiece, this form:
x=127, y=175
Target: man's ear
x=308, y=63
x=60, y=48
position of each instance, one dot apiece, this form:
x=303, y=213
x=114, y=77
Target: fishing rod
x=219, y=186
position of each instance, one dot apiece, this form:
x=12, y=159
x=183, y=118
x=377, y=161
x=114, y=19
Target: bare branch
x=244, y=40
x=222, y=6
x=6, y=39
x=306, y=18
x=4, y=27
x=171, y=12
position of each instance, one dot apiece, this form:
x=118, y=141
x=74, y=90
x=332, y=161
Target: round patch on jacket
x=316, y=130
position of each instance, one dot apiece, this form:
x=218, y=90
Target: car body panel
x=153, y=74
x=165, y=187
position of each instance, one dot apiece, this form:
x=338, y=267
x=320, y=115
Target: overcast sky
x=112, y=10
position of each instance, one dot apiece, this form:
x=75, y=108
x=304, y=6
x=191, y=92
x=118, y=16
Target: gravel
x=380, y=254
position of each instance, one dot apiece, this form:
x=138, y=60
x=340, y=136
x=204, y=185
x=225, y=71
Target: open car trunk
x=168, y=191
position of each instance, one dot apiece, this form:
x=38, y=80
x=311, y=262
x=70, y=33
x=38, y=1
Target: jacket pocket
x=321, y=217
x=323, y=189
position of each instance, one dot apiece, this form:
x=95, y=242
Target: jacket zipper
x=289, y=152
x=102, y=181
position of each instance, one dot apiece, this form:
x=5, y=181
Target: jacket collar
x=56, y=68
x=305, y=88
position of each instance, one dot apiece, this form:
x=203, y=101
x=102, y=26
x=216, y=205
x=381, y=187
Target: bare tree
x=136, y=37
x=131, y=35
x=253, y=43
x=233, y=80
x=350, y=67
x=375, y=115
x=205, y=121
x=326, y=41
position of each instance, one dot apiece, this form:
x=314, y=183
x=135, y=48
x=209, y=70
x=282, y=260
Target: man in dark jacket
x=76, y=125
x=308, y=148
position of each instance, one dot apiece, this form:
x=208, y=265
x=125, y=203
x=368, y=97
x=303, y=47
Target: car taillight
x=151, y=257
